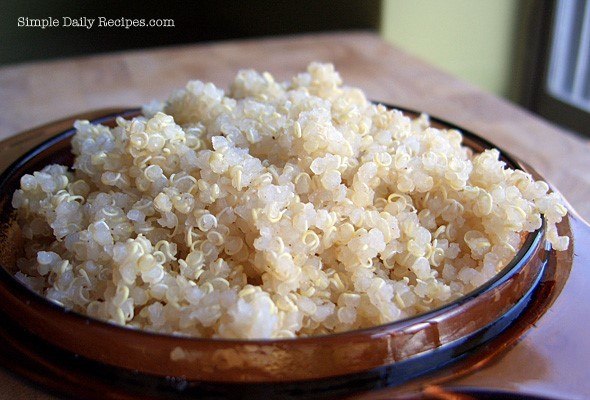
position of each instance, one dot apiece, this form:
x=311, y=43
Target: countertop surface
x=35, y=93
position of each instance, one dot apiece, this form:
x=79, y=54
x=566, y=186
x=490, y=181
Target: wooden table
x=33, y=94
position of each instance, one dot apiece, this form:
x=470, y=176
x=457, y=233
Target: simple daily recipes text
x=89, y=23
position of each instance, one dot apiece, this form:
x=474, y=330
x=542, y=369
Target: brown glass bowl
x=151, y=363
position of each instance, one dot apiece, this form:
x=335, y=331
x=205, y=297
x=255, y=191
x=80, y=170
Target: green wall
x=472, y=39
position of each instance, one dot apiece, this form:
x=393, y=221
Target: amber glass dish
x=141, y=363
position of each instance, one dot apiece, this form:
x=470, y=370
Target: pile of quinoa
x=274, y=210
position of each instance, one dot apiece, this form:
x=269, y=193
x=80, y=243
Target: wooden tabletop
x=36, y=93
x=33, y=94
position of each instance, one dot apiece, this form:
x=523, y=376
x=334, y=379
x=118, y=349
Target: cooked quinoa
x=274, y=210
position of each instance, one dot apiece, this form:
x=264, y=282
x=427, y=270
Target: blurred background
x=532, y=52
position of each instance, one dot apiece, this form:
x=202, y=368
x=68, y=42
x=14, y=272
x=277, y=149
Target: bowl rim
x=21, y=291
